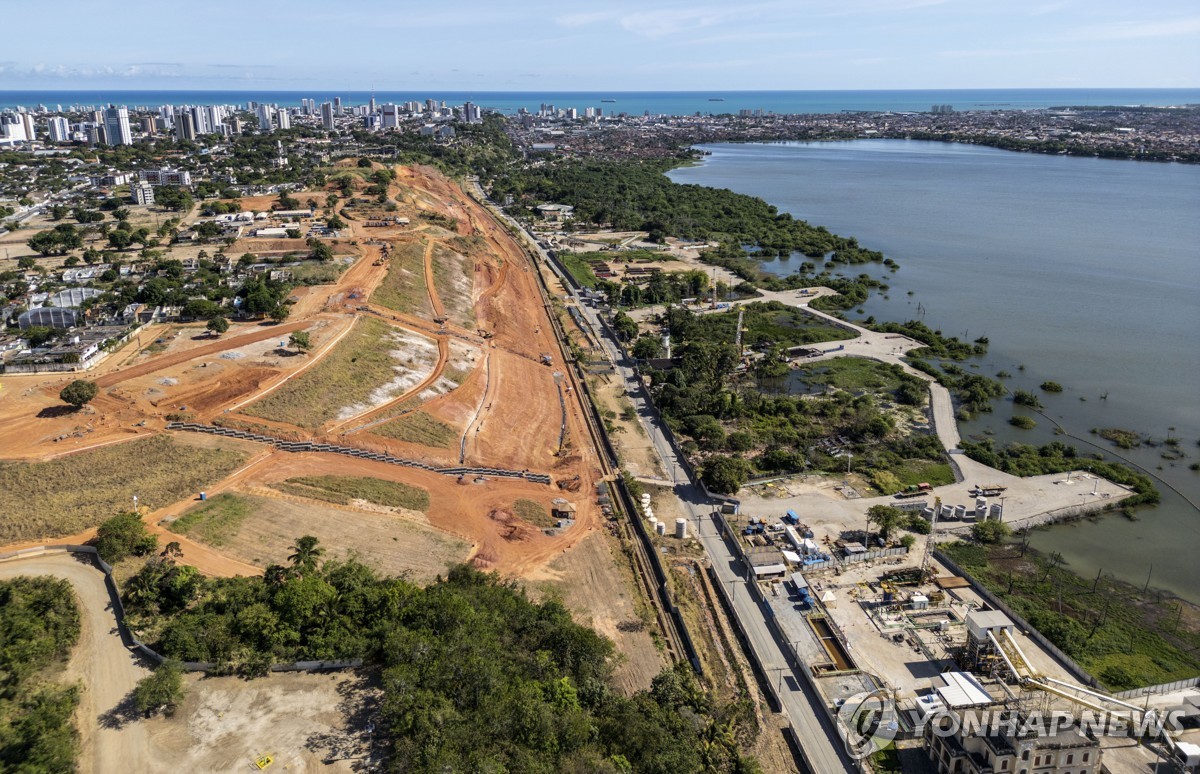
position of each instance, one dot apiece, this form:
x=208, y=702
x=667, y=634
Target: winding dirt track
x=107, y=669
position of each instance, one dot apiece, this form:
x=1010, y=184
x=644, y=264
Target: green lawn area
x=360, y=364
x=923, y=471
x=403, y=289
x=853, y=374
x=72, y=493
x=419, y=427
x=343, y=489
x=215, y=520
x=579, y=268
x=769, y=321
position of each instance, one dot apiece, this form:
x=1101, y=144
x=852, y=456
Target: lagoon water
x=1084, y=271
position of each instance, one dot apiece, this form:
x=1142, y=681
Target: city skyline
x=870, y=44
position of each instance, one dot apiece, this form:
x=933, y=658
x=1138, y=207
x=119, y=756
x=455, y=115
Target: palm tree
x=142, y=589
x=306, y=553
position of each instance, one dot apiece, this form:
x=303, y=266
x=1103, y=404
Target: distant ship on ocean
x=716, y=99
x=608, y=100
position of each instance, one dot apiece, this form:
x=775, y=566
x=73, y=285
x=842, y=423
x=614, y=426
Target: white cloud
x=1134, y=30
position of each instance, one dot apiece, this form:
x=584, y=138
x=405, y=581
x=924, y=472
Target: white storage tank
x=997, y=512
x=928, y=514
x=960, y=511
x=681, y=528
x=980, y=507
x=660, y=528
x=947, y=511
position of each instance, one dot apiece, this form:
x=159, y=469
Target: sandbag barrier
x=350, y=451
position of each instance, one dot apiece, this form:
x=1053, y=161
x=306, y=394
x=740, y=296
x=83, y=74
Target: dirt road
x=101, y=663
x=175, y=358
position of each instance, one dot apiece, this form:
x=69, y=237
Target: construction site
x=931, y=647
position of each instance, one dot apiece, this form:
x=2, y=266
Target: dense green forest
x=39, y=624
x=734, y=428
x=476, y=676
x=637, y=195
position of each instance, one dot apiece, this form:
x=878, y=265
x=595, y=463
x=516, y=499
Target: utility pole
x=937, y=510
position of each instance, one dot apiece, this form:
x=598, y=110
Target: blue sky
x=584, y=45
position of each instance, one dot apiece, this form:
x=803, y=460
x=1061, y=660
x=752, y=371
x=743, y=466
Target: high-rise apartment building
x=60, y=129
x=327, y=115
x=185, y=125
x=116, y=126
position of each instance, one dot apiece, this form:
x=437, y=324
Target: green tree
x=162, y=690
x=990, y=531
x=124, y=535
x=625, y=326
x=885, y=518
x=305, y=554
x=120, y=239
x=647, y=347
x=217, y=325
x=79, y=393
x=320, y=250
x=300, y=341
x=724, y=475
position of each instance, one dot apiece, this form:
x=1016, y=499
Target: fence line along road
x=352, y=451
x=822, y=748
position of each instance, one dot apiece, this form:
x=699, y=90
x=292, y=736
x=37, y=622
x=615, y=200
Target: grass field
x=71, y=494
x=854, y=374
x=580, y=269
x=913, y=472
x=359, y=365
x=317, y=273
x=769, y=321
x=403, y=289
x=214, y=521
x=533, y=512
x=344, y=489
x=453, y=278
x=419, y=427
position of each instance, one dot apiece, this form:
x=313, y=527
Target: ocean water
x=1084, y=271
x=639, y=102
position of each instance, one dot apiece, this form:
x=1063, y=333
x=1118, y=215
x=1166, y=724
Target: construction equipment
x=546, y=359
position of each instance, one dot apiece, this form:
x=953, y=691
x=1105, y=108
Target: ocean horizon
x=713, y=102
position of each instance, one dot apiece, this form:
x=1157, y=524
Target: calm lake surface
x=1084, y=271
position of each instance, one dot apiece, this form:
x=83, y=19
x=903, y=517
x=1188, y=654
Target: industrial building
x=1069, y=751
